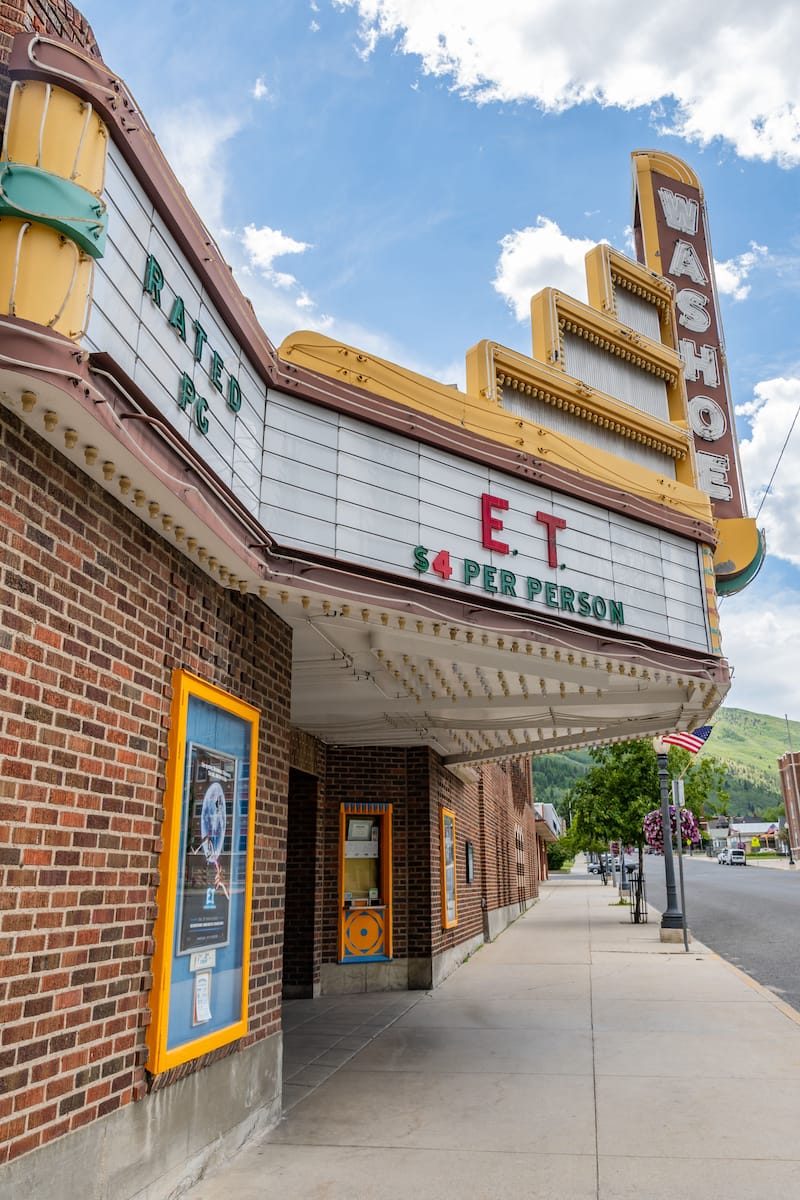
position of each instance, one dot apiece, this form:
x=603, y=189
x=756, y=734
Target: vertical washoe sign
x=671, y=231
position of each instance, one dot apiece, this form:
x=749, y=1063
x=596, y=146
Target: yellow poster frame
x=185, y=686
x=447, y=815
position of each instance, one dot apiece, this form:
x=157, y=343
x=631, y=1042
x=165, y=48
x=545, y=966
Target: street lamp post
x=672, y=917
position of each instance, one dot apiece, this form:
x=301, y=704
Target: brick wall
x=506, y=794
x=372, y=773
x=463, y=799
x=96, y=614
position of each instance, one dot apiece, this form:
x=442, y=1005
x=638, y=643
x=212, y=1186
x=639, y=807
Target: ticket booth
x=365, y=883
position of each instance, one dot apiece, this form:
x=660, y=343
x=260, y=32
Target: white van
x=732, y=858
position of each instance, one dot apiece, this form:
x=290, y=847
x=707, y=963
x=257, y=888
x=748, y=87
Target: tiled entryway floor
x=320, y=1035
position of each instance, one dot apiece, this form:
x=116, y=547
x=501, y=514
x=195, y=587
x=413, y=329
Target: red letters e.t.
x=488, y=522
x=551, y=524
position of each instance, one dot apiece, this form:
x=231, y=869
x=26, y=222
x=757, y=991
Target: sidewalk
x=575, y=1058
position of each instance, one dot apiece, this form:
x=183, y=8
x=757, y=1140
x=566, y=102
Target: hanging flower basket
x=653, y=826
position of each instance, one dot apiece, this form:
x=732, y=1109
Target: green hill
x=750, y=745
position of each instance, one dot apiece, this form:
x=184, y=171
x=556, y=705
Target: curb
x=767, y=993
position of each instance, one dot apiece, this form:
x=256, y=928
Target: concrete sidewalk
x=575, y=1058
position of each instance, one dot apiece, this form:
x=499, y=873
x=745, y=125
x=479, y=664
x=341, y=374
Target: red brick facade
x=95, y=618
x=789, y=771
x=508, y=834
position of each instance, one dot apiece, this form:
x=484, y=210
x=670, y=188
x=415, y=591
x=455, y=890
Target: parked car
x=732, y=857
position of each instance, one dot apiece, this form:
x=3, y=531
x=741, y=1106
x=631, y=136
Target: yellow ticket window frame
x=365, y=922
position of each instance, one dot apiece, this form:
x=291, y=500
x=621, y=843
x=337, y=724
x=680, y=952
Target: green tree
x=558, y=853
x=611, y=801
x=609, y=804
x=703, y=782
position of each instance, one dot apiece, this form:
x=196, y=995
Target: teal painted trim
x=367, y=958
x=730, y=585
x=32, y=194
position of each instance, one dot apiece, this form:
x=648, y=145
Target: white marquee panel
x=341, y=487
x=392, y=494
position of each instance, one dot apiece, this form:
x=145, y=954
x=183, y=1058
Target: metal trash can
x=638, y=896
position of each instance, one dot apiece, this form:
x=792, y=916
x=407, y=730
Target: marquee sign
x=201, y=351
x=498, y=581
x=349, y=491
x=153, y=315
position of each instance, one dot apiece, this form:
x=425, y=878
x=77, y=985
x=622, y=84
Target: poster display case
x=202, y=933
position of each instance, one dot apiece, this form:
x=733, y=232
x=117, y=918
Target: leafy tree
x=703, y=782
x=610, y=803
x=558, y=853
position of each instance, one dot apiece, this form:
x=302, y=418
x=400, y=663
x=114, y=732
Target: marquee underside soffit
x=381, y=676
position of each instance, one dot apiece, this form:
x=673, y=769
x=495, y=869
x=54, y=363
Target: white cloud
x=732, y=275
x=259, y=90
x=772, y=413
x=761, y=640
x=314, y=26
x=540, y=256
x=193, y=140
x=731, y=70
x=262, y=246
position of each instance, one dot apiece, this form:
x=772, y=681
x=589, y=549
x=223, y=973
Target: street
x=749, y=915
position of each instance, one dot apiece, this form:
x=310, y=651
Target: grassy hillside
x=750, y=744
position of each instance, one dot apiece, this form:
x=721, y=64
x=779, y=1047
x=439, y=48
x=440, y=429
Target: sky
x=405, y=174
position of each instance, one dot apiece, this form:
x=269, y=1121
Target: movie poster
x=209, y=819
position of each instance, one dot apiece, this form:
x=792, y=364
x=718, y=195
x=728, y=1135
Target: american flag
x=693, y=741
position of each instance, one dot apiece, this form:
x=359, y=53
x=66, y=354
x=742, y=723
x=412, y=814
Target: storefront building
x=789, y=772
x=283, y=627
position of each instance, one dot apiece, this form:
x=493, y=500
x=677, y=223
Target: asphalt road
x=749, y=915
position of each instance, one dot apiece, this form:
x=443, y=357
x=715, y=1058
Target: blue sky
x=405, y=174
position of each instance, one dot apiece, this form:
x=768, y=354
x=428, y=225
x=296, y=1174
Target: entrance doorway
x=302, y=941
